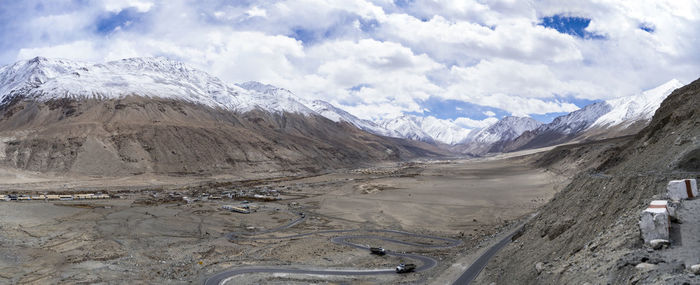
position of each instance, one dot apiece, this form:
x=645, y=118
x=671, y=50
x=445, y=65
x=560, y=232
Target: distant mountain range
x=48, y=81
x=154, y=115
x=610, y=118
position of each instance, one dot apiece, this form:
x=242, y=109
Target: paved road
x=475, y=268
x=426, y=262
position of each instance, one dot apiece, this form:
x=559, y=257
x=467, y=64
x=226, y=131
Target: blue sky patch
x=575, y=26
x=360, y=86
x=403, y=3
x=647, y=27
x=336, y=29
x=452, y=109
x=125, y=19
x=303, y=35
x=368, y=26
x=547, y=118
x=579, y=102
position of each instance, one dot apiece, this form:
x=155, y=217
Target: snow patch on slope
x=628, y=110
x=575, y=121
x=505, y=129
x=339, y=115
x=426, y=129
x=45, y=79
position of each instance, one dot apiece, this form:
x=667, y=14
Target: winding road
x=477, y=266
x=426, y=262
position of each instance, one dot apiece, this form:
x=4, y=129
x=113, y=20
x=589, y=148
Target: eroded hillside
x=137, y=135
x=588, y=232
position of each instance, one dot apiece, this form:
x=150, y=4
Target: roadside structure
x=655, y=222
x=682, y=189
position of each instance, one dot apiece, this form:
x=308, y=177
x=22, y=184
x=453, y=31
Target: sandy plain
x=149, y=234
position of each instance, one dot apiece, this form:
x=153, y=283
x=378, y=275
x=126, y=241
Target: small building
x=101, y=196
x=682, y=189
x=236, y=209
x=65, y=197
x=53, y=197
x=84, y=196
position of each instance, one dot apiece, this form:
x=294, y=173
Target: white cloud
x=475, y=124
x=117, y=6
x=514, y=38
x=257, y=12
x=489, y=113
x=78, y=50
x=377, y=59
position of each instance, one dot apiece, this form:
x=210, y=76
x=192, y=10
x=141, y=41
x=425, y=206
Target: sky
x=470, y=62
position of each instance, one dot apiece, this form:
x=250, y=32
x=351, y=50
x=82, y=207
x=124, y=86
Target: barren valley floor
x=151, y=235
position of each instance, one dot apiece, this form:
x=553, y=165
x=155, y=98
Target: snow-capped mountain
x=23, y=76
x=628, y=110
x=576, y=121
x=44, y=79
x=427, y=129
x=336, y=114
x=505, y=129
x=320, y=107
x=561, y=129
x=444, y=131
x=494, y=137
x=602, y=119
x=407, y=127
x=154, y=115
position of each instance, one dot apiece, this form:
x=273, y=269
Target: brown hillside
x=139, y=135
x=588, y=232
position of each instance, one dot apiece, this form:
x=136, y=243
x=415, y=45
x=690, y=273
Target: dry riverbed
x=150, y=236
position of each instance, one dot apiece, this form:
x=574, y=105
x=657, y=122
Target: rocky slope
x=588, y=233
x=159, y=116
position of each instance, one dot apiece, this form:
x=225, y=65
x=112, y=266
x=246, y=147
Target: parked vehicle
x=405, y=268
x=377, y=250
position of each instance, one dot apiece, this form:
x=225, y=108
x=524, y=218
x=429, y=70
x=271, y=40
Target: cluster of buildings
x=261, y=194
x=52, y=197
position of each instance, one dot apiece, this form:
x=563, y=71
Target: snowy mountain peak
x=665, y=89
x=407, y=127
x=641, y=107
x=576, y=121
x=331, y=112
x=25, y=75
x=505, y=129
x=428, y=129
x=44, y=79
x=260, y=87
x=339, y=115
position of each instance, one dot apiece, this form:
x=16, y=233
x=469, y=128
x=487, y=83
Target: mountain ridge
x=151, y=115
